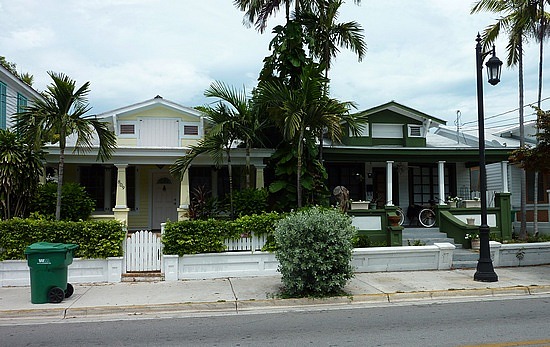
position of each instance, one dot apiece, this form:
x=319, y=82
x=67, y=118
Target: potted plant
x=473, y=239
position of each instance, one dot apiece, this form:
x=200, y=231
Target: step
x=142, y=277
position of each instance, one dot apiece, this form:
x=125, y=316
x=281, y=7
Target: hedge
x=96, y=239
x=198, y=236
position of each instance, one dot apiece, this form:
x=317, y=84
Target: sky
x=421, y=55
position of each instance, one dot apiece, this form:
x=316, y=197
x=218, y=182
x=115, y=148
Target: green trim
x=387, y=105
x=3, y=105
x=413, y=155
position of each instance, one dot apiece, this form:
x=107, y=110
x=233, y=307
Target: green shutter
x=21, y=102
x=3, y=105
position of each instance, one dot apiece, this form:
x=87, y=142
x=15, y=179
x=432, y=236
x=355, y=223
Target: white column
x=121, y=208
x=441, y=180
x=185, y=197
x=389, y=183
x=121, y=186
x=260, y=176
x=504, y=172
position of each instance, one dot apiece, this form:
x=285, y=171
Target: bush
x=76, y=204
x=249, y=201
x=198, y=236
x=96, y=239
x=315, y=252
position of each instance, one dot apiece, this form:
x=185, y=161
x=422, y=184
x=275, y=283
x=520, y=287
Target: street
x=521, y=319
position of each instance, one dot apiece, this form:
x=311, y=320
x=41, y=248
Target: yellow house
x=135, y=185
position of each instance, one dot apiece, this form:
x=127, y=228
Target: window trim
x=410, y=128
x=188, y=124
x=130, y=136
x=3, y=105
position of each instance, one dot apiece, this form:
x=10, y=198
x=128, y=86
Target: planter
x=394, y=220
x=475, y=244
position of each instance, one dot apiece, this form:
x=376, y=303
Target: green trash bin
x=48, y=264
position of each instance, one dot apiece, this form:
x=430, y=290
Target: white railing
x=249, y=242
x=142, y=251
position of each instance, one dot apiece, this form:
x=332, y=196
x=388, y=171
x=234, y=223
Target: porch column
x=389, y=183
x=185, y=197
x=504, y=172
x=121, y=208
x=259, y=176
x=441, y=181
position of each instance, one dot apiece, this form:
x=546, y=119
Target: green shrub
x=315, y=252
x=249, y=201
x=199, y=236
x=76, y=204
x=96, y=239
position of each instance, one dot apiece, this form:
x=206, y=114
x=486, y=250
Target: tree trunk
x=230, y=174
x=299, y=168
x=523, y=182
x=59, y=181
x=539, y=97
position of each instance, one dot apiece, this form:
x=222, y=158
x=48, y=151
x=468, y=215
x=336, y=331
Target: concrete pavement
x=254, y=293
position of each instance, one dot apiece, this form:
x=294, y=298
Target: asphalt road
x=505, y=322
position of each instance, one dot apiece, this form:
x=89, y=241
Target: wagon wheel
x=56, y=295
x=69, y=291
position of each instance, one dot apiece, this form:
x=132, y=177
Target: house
x=405, y=157
x=14, y=95
x=135, y=185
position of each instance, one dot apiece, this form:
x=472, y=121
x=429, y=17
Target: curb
x=251, y=305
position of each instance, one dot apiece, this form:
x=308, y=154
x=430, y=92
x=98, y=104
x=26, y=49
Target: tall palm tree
x=257, y=12
x=301, y=112
x=61, y=113
x=518, y=19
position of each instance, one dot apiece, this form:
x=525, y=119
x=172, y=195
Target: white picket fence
x=143, y=251
x=246, y=243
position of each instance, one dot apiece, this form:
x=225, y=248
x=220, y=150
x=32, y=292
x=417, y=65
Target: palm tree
x=61, y=113
x=518, y=20
x=242, y=111
x=301, y=112
x=257, y=12
x=232, y=120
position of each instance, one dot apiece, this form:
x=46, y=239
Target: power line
x=506, y=112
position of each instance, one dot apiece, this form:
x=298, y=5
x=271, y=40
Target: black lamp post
x=485, y=271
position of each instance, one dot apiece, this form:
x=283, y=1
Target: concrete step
x=143, y=277
x=427, y=236
x=465, y=259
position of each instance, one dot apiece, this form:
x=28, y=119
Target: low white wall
x=16, y=272
x=524, y=254
x=375, y=259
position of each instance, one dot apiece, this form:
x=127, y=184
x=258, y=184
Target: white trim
x=127, y=136
x=420, y=128
x=194, y=124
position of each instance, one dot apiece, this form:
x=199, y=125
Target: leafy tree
x=20, y=170
x=518, y=20
x=537, y=157
x=77, y=204
x=300, y=113
x=60, y=114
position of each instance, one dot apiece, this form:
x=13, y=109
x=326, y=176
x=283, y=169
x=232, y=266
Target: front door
x=165, y=199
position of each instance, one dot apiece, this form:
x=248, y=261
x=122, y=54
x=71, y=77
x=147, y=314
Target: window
x=544, y=184
x=21, y=102
x=415, y=131
x=3, y=106
x=424, y=183
x=190, y=130
x=100, y=183
x=387, y=131
x=364, y=132
x=127, y=129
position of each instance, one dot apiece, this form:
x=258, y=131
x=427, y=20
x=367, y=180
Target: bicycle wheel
x=427, y=218
x=401, y=215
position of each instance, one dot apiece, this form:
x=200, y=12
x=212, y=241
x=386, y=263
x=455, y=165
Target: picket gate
x=143, y=251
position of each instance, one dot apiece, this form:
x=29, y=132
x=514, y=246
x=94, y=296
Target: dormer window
x=415, y=130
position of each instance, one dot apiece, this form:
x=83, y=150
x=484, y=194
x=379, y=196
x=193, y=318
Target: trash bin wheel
x=69, y=291
x=56, y=295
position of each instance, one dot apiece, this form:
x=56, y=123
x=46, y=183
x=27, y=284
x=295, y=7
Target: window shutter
x=415, y=131
x=127, y=129
x=190, y=130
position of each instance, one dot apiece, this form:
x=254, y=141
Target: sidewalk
x=253, y=293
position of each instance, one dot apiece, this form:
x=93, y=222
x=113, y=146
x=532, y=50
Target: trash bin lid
x=48, y=247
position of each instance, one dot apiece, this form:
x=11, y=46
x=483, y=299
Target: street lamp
x=485, y=271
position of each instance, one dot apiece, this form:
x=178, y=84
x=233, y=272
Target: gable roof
x=405, y=111
x=148, y=104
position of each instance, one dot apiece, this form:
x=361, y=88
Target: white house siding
x=11, y=105
x=462, y=181
x=514, y=184
x=494, y=181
